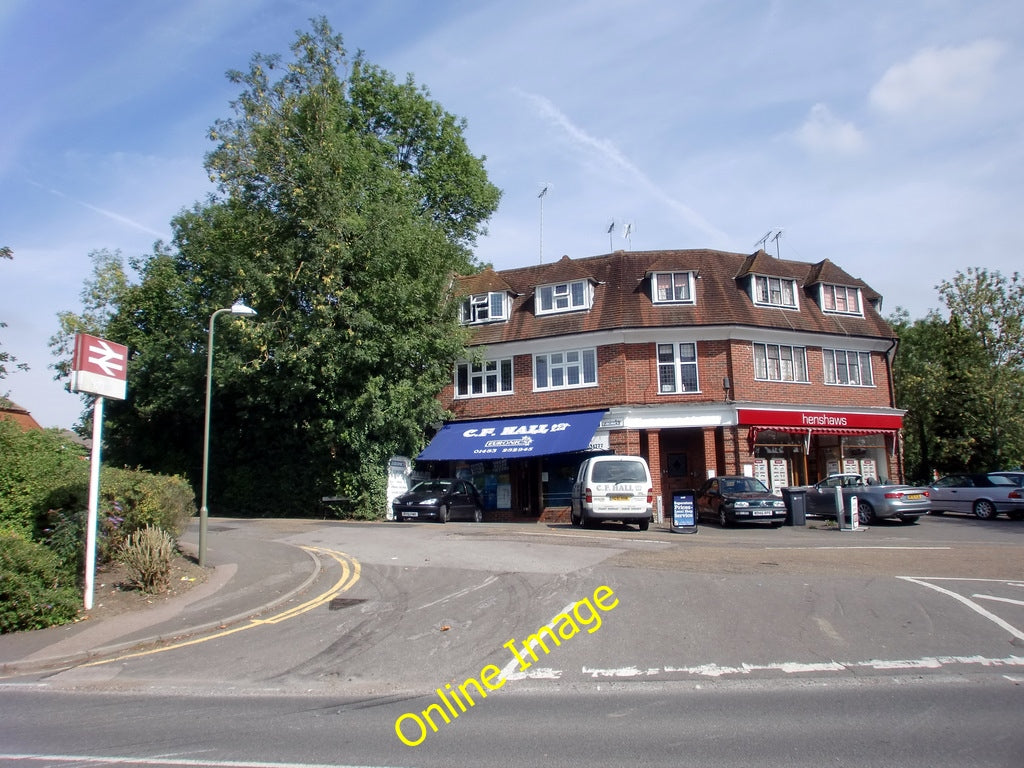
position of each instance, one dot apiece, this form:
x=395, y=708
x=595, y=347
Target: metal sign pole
x=94, y=496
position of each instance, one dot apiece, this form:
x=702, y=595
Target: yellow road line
x=349, y=576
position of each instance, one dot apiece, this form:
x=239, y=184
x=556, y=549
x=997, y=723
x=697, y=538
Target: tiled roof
x=622, y=295
x=17, y=414
x=827, y=272
x=484, y=281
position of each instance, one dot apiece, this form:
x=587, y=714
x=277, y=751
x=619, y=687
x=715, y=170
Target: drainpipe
x=890, y=355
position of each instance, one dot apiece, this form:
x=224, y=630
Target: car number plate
x=410, y=514
x=914, y=496
x=620, y=497
x=762, y=513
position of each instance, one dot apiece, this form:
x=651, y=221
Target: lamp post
x=238, y=308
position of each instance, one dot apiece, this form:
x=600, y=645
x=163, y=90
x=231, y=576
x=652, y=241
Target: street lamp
x=238, y=308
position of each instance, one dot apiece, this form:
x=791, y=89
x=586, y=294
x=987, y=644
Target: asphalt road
x=897, y=645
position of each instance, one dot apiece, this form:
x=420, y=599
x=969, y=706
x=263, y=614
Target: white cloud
x=938, y=79
x=823, y=132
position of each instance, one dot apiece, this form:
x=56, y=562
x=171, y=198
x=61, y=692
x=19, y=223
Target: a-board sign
x=684, y=512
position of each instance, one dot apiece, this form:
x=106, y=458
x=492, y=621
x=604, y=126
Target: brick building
x=703, y=362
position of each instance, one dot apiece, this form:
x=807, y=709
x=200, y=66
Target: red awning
x=846, y=431
x=804, y=431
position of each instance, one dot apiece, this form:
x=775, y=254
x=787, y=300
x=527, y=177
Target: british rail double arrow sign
x=99, y=367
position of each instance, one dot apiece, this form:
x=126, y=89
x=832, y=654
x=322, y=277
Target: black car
x=442, y=499
x=733, y=499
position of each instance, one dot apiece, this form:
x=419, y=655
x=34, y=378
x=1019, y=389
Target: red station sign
x=99, y=367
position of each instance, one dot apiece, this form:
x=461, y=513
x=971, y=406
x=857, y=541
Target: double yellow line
x=350, y=572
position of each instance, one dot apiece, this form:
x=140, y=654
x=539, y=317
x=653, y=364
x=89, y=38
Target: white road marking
x=509, y=671
x=796, y=667
x=461, y=592
x=970, y=604
x=998, y=599
x=108, y=760
x=534, y=673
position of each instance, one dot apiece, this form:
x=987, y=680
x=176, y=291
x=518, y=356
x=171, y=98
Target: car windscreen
x=619, y=472
x=743, y=485
x=431, y=486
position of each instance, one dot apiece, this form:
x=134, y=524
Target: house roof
x=622, y=295
x=17, y=414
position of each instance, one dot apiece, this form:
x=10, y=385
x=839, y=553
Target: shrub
x=131, y=499
x=40, y=470
x=148, y=554
x=35, y=591
x=366, y=487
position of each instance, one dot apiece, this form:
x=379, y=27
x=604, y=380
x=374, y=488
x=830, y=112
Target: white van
x=613, y=488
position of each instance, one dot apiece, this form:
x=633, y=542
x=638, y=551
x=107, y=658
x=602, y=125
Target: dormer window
x=563, y=297
x=485, y=308
x=840, y=299
x=775, y=291
x=672, y=288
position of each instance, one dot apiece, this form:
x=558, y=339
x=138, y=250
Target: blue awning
x=514, y=437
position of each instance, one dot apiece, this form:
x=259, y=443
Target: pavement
x=246, y=576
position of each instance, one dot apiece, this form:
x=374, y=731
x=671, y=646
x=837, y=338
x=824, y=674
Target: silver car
x=984, y=495
x=905, y=503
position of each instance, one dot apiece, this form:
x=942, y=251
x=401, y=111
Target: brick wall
x=628, y=375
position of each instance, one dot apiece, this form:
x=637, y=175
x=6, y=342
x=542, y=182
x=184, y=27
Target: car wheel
x=478, y=515
x=722, y=519
x=442, y=513
x=576, y=522
x=1016, y=515
x=865, y=513
x=984, y=509
x=398, y=518
x=644, y=525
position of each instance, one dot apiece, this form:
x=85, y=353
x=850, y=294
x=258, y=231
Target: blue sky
x=885, y=136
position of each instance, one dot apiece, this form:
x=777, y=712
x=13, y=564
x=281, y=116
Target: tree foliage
x=962, y=379
x=346, y=202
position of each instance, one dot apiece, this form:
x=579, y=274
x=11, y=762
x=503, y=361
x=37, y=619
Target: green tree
x=962, y=380
x=990, y=308
x=918, y=377
x=346, y=203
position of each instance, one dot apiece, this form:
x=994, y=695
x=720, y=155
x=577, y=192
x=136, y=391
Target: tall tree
x=962, y=379
x=346, y=203
x=990, y=307
x=918, y=377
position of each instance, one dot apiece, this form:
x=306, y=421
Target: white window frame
x=570, y=296
x=484, y=378
x=848, y=364
x=841, y=295
x=677, y=368
x=774, y=292
x=676, y=283
x=780, y=362
x=480, y=308
x=565, y=369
